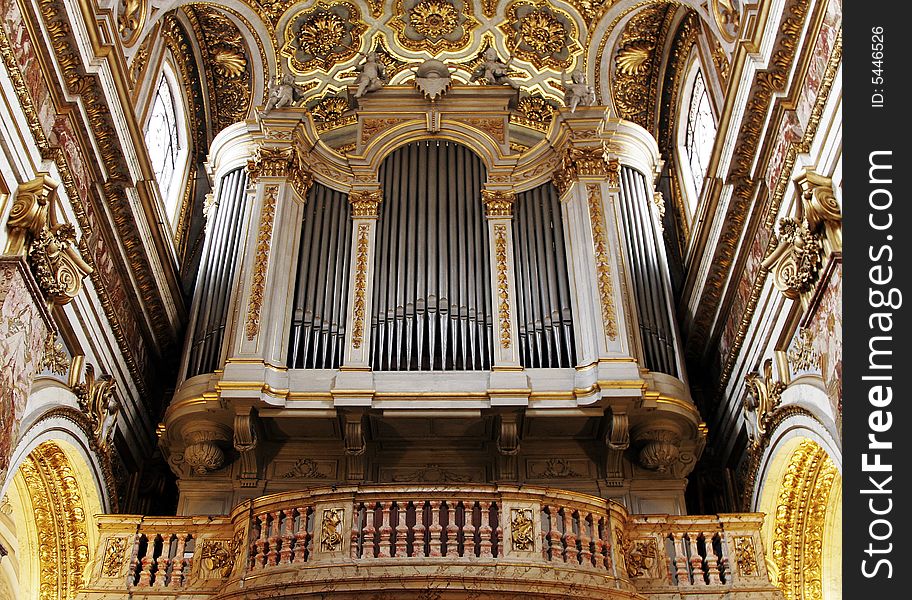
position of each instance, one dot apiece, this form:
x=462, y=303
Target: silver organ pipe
x=432, y=305
x=649, y=282
x=544, y=319
x=321, y=287
x=217, y=271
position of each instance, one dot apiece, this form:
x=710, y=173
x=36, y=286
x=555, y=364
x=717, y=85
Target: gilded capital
x=498, y=203
x=795, y=262
x=49, y=244
x=365, y=203
x=580, y=163
x=820, y=209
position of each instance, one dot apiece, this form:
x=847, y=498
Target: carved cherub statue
x=493, y=71
x=577, y=91
x=283, y=92
x=372, y=75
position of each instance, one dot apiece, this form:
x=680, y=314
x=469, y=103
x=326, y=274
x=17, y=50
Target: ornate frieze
x=602, y=260
x=261, y=263
x=361, y=258
x=503, y=284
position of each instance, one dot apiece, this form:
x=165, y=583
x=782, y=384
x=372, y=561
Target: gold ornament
x=331, y=530
x=260, y=267
x=433, y=18
x=522, y=529
x=503, y=283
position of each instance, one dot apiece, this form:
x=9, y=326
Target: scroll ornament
x=96, y=398
x=763, y=399
x=48, y=243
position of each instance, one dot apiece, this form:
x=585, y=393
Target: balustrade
x=432, y=533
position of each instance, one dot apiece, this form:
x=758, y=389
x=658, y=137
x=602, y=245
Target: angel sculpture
x=493, y=71
x=371, y=76
x=577, y=91
x=283, y=92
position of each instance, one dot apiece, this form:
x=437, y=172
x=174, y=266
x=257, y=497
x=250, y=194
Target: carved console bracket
x=36, y=232
x=762, y=401
x=507, y=442
x=355, y=445
x=617, y=440
x=245, y=441
x=97, y=400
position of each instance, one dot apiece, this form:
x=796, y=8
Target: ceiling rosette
x=433, y=26
x=323, y=36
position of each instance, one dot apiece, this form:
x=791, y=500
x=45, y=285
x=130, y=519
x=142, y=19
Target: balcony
x=431, y=542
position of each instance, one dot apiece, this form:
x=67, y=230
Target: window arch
x=696, y=135
x=167, y=140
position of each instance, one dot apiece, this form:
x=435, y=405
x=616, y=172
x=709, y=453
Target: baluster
x=484, y=532
x=386, y=538
x=585, y=556
x=401, y=530
x=680, y=560
x=570, y=551
x=259, y=561
x=468, y=528
x=272, y=557
x=145, y=576
x=187, y=564
x=177, y=563
x=554, y=534
x=356, y=531
x=134, y=560
x=370, y=528
x=598, y=543
x=301, y=536
x=418, y=544
x=287, y=536
x=724, y=566
x=606, y=542
x=161, y=571
x=452, y=544
x=696, y=561
x=712, y=566
x=435, y=528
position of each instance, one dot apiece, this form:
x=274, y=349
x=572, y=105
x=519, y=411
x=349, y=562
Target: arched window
x=166, y=140
x=697, y=137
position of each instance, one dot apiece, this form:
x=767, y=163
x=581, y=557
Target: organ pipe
x=217, y=271
x=321, y=287
x=544, y=318
x=650, y=285
x=432, y=306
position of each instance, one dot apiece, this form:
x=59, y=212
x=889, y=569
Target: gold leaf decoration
x=434, y=18
x=634, y=59
x=229, y=64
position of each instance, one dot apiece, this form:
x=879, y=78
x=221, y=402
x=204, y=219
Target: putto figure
x=577, y=91
x=372, y=75
x=283, y=92
x=493, y=71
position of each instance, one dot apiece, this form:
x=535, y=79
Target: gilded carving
x=763, y=399
x=498, y=203
x=602, y=261
x=114, y=556
x=640, y=555
x=322, y=36
x=745, y=555
x=540, y=34
x=331, y=530
x=55, y=358
x=796, y=260
x=370, y=127
x=727, y=14
x=130, y=20
x=581, y=162
x=96, y=398
x=503, y=283
x=261, y=263
x=49, y=244
x=801, y=508
x=820, y=209
x=802, y=356
x=533, y=112
x=522, y=529
x=220, y=556
x=637, y=63
x=332, y=112
x=365, y=203
x=363, y=251
x=660, y=449
x=433, y=26
x=493, y=126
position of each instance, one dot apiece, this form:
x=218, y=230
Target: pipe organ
x=432, y=296
x=217, y=272
x=321, y=287
x=413, y=297
x=649, y=273
x=543, y=311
